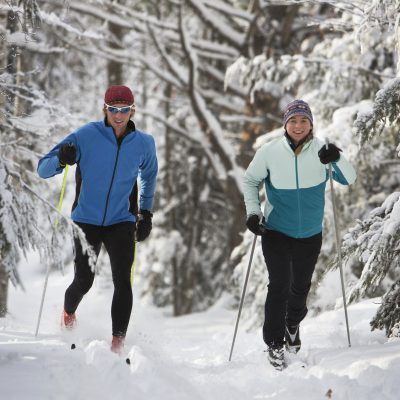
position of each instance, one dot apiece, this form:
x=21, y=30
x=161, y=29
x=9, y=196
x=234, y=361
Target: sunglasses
x=123, y=110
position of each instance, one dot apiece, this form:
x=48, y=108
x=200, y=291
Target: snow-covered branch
x=388, y=314
x=95, y=11
x=192, y=139
x=228, y=10
x=343, y=66
x=375, y=241
x=207, y=120
x=21, y=40
x=352, y=7
x=181, y=132
x=212, y=20
x=386, y=110
x=123, y=56
x=175, y=69
x=231, y=86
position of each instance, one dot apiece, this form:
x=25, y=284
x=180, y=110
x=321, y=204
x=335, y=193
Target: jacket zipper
x=111, y=183
x=298, y=196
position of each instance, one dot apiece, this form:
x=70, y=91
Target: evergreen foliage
x=352, y=63
x=386, y=111
x=26, y=216
x=388, y=314
x=375, y=241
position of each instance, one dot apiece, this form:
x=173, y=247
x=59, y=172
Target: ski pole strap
x=60, y=201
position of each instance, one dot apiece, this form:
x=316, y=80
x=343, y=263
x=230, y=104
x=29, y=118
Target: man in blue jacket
x=294, y=171
x=110, y=155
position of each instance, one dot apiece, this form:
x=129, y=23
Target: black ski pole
x=338, y=249
x=243, y=294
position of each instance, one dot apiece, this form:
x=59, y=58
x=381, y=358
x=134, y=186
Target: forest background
x=210, y=80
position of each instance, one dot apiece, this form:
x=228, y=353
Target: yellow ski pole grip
x=60, y=200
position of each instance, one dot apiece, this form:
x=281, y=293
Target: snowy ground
x=186, y=357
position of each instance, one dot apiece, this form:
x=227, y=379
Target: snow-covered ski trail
x=186, y=357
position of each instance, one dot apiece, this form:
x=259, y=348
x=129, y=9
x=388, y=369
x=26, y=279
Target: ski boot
x=292, y=338
x=68, y=321
x=276, y=356
x=117, y=344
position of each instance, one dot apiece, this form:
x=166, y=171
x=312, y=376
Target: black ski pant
x=290, y=264
x=118, y=240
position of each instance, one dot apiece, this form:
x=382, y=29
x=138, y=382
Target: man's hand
x=330, y=154
x=144, y=225
x=67, y=154
x=253, y=223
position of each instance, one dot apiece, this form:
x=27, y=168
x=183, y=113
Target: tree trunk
x=4, y=275
x=3, y=50
x=171, y=222
x=3, y=290
x=115, y=68
x=12, y=62
x=144, y=96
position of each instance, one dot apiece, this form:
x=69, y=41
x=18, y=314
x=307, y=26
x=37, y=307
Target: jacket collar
x=299, y=147
x=131, y=127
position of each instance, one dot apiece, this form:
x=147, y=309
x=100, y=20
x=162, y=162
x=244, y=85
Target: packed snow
x=182, y=358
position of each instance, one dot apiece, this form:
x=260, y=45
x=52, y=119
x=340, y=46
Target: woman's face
x=298, y=127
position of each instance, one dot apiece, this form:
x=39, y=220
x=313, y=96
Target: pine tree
x=26, y=216
x=375, y=240
x=347, y=69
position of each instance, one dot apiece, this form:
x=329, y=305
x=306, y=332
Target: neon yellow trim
x=133, y=264
x=60, y=201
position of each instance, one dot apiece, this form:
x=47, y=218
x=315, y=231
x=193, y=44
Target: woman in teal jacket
x=294, y=171
x=110, y=155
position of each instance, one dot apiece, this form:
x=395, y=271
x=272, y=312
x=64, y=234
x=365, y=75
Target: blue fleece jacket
x=109, y=171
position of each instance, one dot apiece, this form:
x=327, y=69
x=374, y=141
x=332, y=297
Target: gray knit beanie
x=297, y=107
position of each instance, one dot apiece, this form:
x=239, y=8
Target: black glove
x=253, y=224
x=330, y=154
x=67, y=154
x=144, y=225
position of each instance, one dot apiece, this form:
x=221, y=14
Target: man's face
x=298, y=127
x=118, y=120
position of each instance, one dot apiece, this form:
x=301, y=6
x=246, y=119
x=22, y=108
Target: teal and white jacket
x=294, y=185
